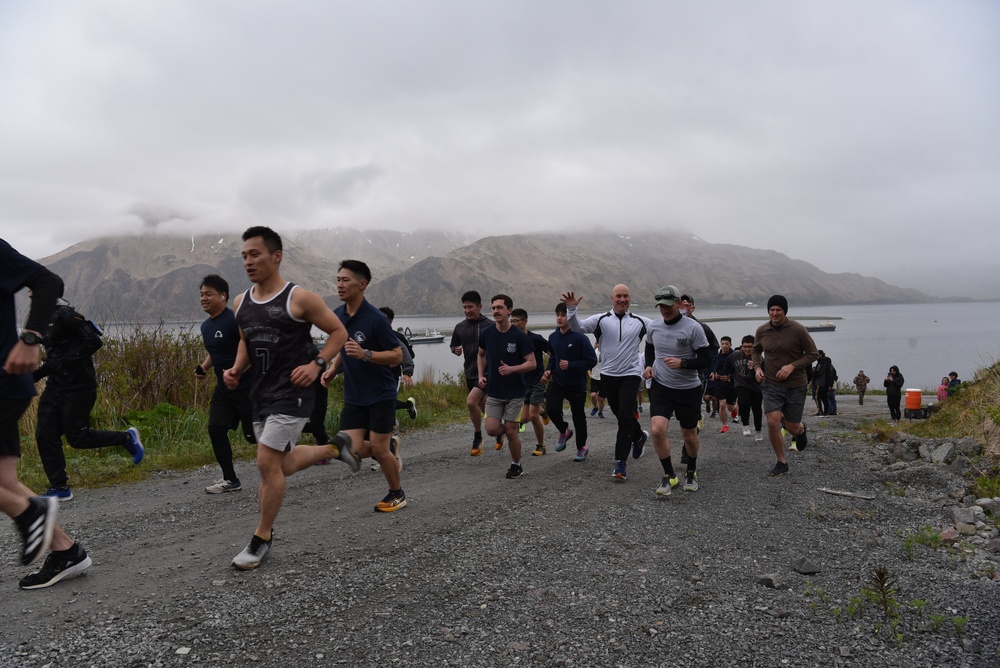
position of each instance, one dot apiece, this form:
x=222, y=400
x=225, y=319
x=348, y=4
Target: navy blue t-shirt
x=15, y=271
x=366, y=383
x=222, y=339
x=511, y=347
x=541, y=346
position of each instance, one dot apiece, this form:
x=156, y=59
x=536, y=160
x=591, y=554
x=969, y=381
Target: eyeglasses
x=670, y=296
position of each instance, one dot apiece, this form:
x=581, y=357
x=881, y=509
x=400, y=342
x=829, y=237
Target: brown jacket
x=790, y=344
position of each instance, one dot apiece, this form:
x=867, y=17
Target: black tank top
x=276, y=342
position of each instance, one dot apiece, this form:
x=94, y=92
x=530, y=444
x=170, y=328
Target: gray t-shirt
x=679, y=340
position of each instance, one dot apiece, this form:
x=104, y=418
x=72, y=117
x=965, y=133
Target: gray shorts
x=505, y=410
x=279, y=432
x=788, y=400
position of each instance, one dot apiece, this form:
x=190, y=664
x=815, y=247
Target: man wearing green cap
x=676, y=349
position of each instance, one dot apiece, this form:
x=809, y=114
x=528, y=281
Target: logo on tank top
x=275, y=312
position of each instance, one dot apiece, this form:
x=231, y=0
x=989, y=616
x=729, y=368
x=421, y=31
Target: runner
x=782, y=352
x=570, y=358
x=227, y=408
x=676, y=349
x=534, y=388
x=69, y=396
x=369, y=414
x=275, y=318
x=465, y=341
x=619, y=333
x=722, y=376
x=747, y=388
x=34, y=516
x=505, y=353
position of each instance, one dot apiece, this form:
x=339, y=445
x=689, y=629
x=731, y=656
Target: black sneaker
x=515, y=471
x=801, y=441
x=36, y=525
x=58, y=566
x=411, y=409
x=780, y=468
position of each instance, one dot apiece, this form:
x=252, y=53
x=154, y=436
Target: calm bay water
x=925, y=341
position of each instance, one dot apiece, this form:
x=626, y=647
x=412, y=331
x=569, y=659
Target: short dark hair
x=748, y=338
x=507, y=301
x=726, y=338
x=953, y=374
x=561, y=309
x=271, y=239
x=519, y=313
x=358, y=268
x=217, y=283
x=389, y=313
x=472, y=296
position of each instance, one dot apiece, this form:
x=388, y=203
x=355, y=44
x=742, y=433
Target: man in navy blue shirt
x=507, y=353
x=571, y=356
x=227, y=408
x=371, y=351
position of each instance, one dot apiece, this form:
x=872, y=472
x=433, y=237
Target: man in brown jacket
x=782, y=352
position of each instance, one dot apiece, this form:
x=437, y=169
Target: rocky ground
x=560, y=568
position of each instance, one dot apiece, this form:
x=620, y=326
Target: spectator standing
x=893, y=384
x=861, y=382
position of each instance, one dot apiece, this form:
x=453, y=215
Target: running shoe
x=395, y=446
x=581, y=454
x=544, y=414
x=619, y=474
x=515, y=471
x=521, y=427
x=758, y=436
x=701, y=422
x=600, y=414
x=784, y=433
x=780, y=468
x=134, y=445
x=593, y=412
x=58, y=566
x=393, y=501
x=345, y=453
x=499, y=443
x=411, y=410
x=253, y=553
x=691, y=482
x=640, y=445
x=538, y=451
x=375, y=465
x=746, y=431
x=725, y=429
x=802, y=441
x=794, y=447
x=477, y=449
x=61, y=493
x=666, y=485
x=36, y=525
x=563, y=438
x=222, y=486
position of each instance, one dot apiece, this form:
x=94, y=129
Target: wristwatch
x=30, y=338
x=368, y=356
x=322, y=362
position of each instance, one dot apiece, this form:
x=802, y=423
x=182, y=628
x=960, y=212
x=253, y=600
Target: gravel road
x=560, y=568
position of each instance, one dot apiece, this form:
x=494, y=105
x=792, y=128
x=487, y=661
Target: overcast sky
x=859, y=135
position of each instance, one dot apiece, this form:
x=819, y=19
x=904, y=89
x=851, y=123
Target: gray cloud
x=859, y=136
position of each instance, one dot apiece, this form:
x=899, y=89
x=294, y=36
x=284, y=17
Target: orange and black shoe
x=393, y=501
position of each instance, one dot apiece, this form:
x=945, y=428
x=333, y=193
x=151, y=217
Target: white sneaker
x=253, y=554
x=666, y=485
x=758, y=436
x=746, y=431
x=691, y=483
x=220, y=486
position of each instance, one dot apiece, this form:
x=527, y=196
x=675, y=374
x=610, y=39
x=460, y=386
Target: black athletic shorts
x=667, y=402
x=11, y=411
x=378, y=418
x=595, y=386
x=228, y=407
x=726, y=393
x=471, y=383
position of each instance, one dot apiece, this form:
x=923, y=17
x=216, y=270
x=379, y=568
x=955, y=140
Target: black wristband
x=198, y=371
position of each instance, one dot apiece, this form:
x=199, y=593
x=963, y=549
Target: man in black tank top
x=275, y=318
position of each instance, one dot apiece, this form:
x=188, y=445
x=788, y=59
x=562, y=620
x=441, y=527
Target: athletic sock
x=668, y=466
x=692, y=463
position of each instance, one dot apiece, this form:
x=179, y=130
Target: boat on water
x=750, y=305
x=824, y=326
x=429, y=336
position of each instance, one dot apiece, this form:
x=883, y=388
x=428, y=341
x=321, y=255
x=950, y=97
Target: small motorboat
x=429, y=336
x=824, y=326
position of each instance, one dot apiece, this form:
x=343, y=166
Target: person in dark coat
x=893, y=391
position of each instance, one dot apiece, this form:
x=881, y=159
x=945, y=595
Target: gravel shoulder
x=560, y=568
